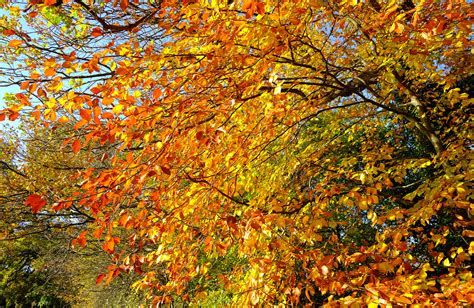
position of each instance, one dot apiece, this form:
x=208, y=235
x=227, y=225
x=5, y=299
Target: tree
x=43, y=260
x=312, y=152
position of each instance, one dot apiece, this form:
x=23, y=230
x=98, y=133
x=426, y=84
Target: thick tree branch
x=8, y=167
x=424, y=123
x=116, y=28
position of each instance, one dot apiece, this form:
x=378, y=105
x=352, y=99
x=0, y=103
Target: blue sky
x=9, y=89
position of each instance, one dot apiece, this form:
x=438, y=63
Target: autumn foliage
x=268, y=152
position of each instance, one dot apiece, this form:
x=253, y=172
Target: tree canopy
x=310, y=152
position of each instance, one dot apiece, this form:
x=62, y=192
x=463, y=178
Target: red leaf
x=260, y=8
x=36, y=202
x=58, y=206
x=200, y=135
x=96, y=32
x=76, y=146
x=99, y=278
x=8, y=32
x=96, y=90
x=165, y=170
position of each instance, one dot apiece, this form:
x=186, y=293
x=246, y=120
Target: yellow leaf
x=254, y=298
x=363, y=205
x=440, y=257
x=384, y=267
x=277, y=90
x=446, y=262
x=117, y=109
x=324, y=270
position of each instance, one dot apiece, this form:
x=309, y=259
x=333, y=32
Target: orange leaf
x=13, y=116
x=121, y=71
x=98, y=233
x=81, y=239
x=50, y=114
x=107, y=115
x=124, y=219
x=49, y=72
x=85, y=114
x=36, y=114
x=24, y=85
x=80, y=124
x=36, y=202
x=247, y=4
x=41, y=93
x=24, y=100
x=123, y=4
x=109, y=245
x=76, y=146
x=15, y=43
x=107, y=101
x=402, y=299
x=157, y=93
x=59, y=206
x=63, y=119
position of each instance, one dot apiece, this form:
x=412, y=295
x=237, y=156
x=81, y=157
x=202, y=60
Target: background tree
x=39, y=266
